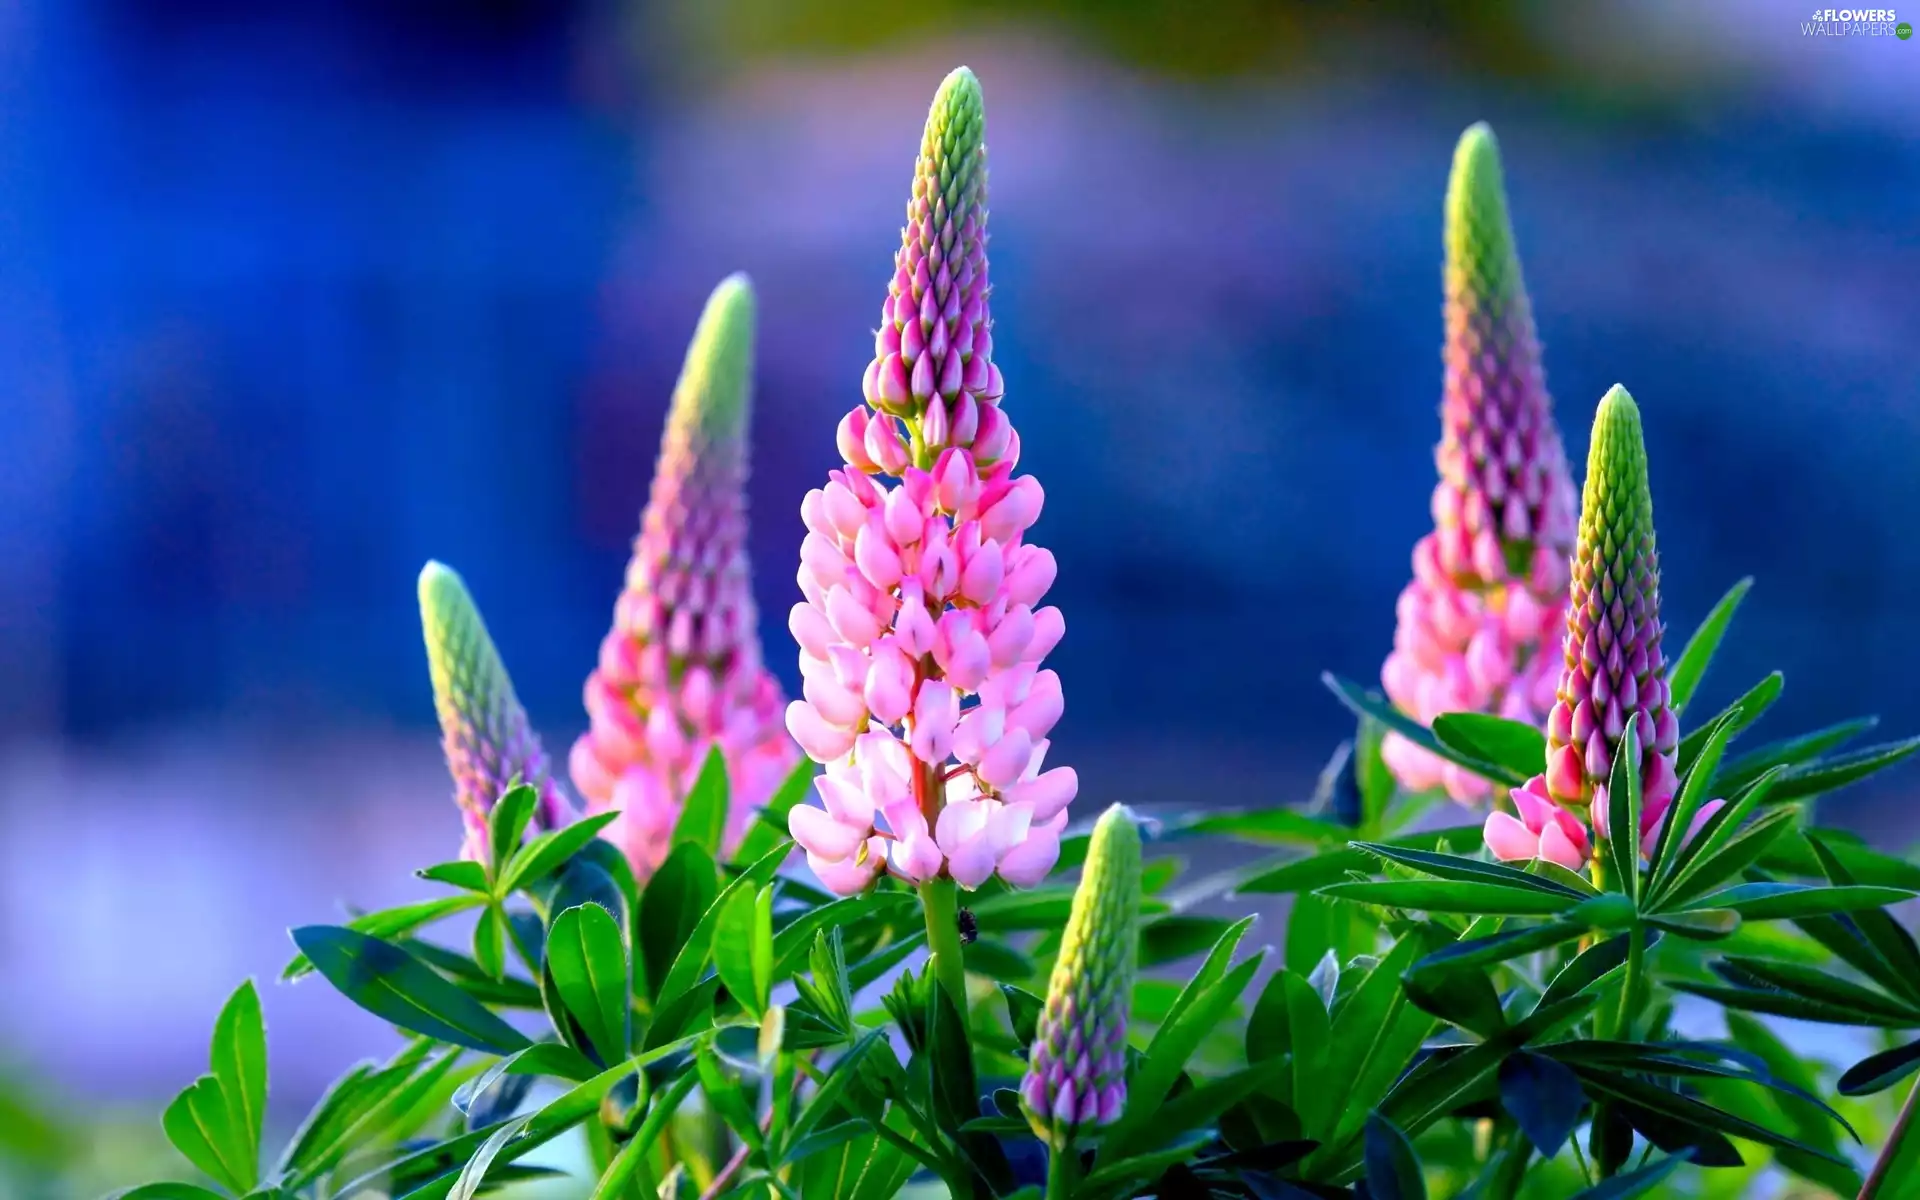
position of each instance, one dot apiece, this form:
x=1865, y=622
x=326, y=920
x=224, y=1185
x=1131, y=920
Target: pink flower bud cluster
x=1457, y=649
x=1489, y=590
x=681, y=672
x=1548, y=831
x=920, y=647
x=921, y=635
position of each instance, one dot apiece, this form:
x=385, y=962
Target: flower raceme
x=1489, y=583
x=681, y=671
x=1614, y=675
x=921, y=635
x=484, y=731
x=1076, y=1074
x=1614, y=672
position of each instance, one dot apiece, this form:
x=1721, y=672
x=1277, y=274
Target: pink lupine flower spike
x=681, y=672
x=921, y=635
x=1489, y=583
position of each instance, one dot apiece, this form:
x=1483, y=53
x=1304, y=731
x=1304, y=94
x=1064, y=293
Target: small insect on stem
x=969, y=928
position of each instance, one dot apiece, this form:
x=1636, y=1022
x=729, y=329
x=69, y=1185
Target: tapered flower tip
x=485, y=733
x=1617, y=497
x=952, y=166
x=1480, y=254
x=460, y=654
x=716, y=382
x=1114, y=847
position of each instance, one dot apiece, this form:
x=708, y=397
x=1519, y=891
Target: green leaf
x=1463, y=998
x=1878, y=1072
x=1471, y=953
x=626, y=1164
x=1772, y=901
x=239, y=1060
x=1476, y=899
x=1743, y=712
x=547, y=853
x=395, y=986
x=392, y=922
x=1693, y=793
x=1515, y=745
x=470, y=876
x=588, y=960
x=793, y=942
x=201, y=1127
x=507, y=823
x=1376, y=1033
x=1588, y=967
x=168, y=1191
x=1331, y=866
x=703, y=819
x=1690, y=1112
x=1688, y=669
x=1787, y=752
x=1892, y=957
x=1623, y=813
x=770, y=827
x=1702, y=925
x=1818, y=983
x=490, y=942
x=1371, y=704
x=1705, y=865
x=1262, y=826
x=1544, y=1099
x=1176, y=936
x=725, y=1096
x=680, y=891
x=475, y=1172
x=1819, y=778
x=441, y=1163
x=1199, y=1009
x=743, y=948
x=1636, y=1183
x=1469, y=870
x=692, y=958
x=826, y=1098
x=1393, y=1170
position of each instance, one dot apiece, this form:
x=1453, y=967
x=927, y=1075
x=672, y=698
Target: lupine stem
x=1903, y=1128
x=1060, y=1169
x=1631, y=1000
x=938, y=897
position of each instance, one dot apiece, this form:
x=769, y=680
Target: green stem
x=1060, y=1169
x=1903, y=1128
x=939, y=898
x=1632, y=987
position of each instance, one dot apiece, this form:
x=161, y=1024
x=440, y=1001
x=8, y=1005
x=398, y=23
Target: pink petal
x=1509, y=840
x=1536, y=807
x=822, y=742
x=1556, y=847
x=820, y=835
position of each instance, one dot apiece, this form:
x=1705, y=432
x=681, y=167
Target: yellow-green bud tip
x=716, y=380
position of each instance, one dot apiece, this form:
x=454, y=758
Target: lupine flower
x=1489, y=583
x=1077, y=1069
x=681, y=671
x=1543, y=829
x=1614, y=672
x=485, y=733
x=920, y=636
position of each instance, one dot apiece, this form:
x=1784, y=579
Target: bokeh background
x=294, y=296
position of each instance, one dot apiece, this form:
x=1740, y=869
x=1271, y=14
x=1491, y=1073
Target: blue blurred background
x=295, y=296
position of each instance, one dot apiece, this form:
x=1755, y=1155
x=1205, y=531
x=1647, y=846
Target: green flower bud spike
x=1077, y=1074
x=485, y=733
